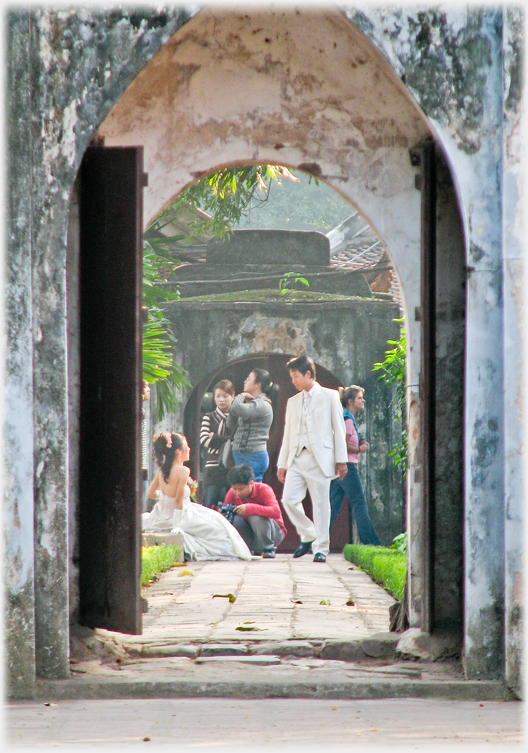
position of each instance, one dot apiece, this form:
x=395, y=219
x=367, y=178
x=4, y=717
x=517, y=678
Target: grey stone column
x=484, y=418
x=514, y=374
x=18, y=427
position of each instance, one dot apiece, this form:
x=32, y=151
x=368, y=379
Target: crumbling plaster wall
x=514, y=367
x=67, y=68
x=465, y=68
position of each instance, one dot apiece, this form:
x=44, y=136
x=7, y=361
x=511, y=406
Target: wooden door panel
x=111, y=374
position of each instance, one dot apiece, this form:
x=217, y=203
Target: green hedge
x=386, y=566
x=158, y=559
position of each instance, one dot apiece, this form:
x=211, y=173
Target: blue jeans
x=214, y=495
x=257, y=461
x=357, y=504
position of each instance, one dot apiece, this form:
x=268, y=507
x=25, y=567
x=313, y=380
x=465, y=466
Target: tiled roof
x=353, y=245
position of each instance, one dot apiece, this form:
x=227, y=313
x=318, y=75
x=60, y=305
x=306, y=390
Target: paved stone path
x=278, y=600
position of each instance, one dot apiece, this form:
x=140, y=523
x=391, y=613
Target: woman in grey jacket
x=251, y=416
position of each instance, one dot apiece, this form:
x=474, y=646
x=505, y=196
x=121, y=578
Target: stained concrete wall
x=514, y=365
x=456, y=69
x=66, y=69
x=465, y=69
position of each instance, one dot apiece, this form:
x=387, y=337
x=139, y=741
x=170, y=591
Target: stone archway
x=71, y=87
x=296, y=88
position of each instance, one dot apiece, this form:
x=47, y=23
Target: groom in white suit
x=313, y=452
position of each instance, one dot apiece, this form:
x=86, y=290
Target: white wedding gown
x=207, y=535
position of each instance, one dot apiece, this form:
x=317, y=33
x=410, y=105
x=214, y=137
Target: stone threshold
x=80, y=688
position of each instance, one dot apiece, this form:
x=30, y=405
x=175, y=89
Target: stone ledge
x=414, y=644
x=84, y=689
x=158, y=539
x=376, y=646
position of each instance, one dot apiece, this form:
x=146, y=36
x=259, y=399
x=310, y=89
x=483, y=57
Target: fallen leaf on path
x=325, y=602
x=231, y=598
x=249, y=623
x=178, y=564
x=296, y=601
x=185, y=572
x=241, y=627
x=350, y=603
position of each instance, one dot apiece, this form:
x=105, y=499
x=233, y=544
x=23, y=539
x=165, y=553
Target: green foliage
x=400, y=543
x=158, y=559
x=307, y=204
x=393, y=372
x=227, y=197
x=158, y=340
x=290, y=280
x=384, y=565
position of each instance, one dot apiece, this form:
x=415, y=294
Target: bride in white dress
x=207, y=535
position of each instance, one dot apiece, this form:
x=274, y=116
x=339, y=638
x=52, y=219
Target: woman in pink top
x=353, y=401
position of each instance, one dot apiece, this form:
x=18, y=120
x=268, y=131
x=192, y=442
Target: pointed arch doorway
x=378, y=173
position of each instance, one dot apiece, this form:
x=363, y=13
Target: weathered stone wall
x=514, y=365
x=465, y=70
x=18, y=428
x=66, y=69
x=347, y=338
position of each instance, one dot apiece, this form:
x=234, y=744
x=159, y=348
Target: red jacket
x=262, y=502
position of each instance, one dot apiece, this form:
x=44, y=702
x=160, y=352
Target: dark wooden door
x=428, y=375
x=110, y=423
x=237, y=371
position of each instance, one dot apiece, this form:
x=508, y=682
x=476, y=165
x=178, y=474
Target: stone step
x=259, y=660
x=379, y=645
x=223, y=649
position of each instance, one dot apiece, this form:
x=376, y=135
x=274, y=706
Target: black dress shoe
x=319, y=557
x=305, y=547
x=268, y=554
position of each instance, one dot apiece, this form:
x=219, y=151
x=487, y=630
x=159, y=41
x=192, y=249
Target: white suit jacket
x=326, y=430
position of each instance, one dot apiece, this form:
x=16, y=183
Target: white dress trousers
x=305, y=474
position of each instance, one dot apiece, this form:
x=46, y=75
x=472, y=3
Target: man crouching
x=258, y=517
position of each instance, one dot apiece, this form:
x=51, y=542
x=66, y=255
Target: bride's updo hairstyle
x=165, y=446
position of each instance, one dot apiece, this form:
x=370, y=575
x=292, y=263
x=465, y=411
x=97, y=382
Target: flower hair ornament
x=168, y=440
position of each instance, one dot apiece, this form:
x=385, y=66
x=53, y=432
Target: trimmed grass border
x=158, y=559
x=386, y=566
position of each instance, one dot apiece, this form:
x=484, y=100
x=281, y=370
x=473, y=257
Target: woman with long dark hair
x=251, y=416
x=207, y=535
x=213, y=436
x=353, y=401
